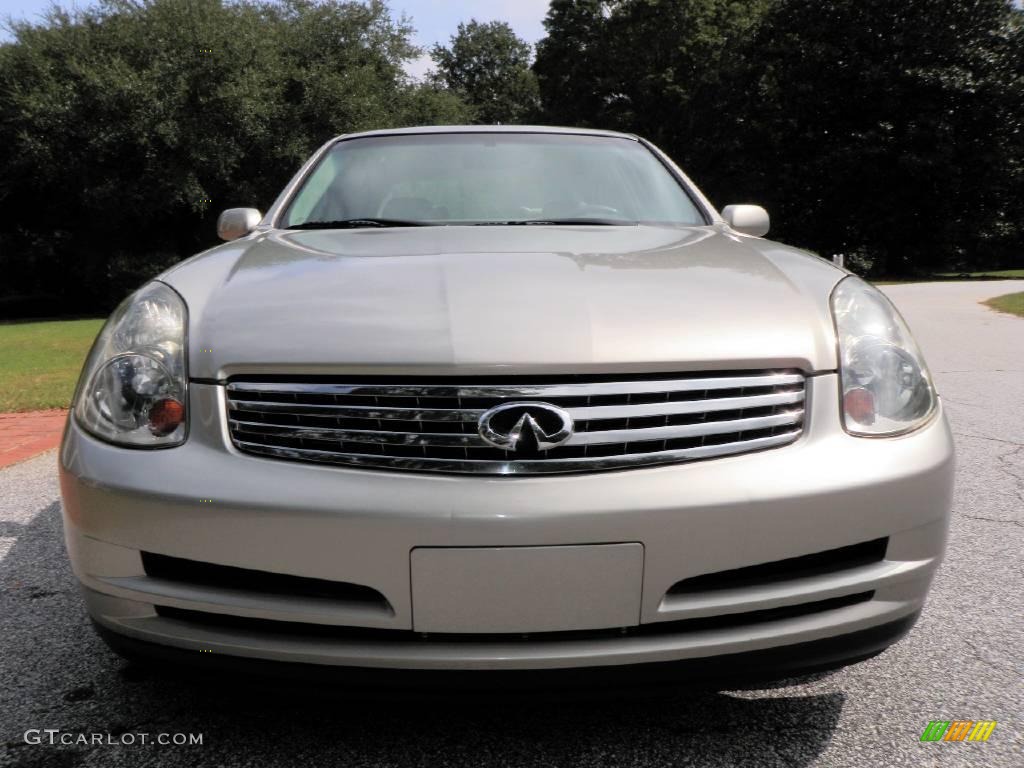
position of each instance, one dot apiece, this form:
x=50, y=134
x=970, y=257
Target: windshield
x=490, y=178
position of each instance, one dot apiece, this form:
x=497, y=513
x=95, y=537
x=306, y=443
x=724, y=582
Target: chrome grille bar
x=579, y=414
x=527, y=466
x=357, y=435
x=685, y=430
x=526, y=390
x=684, y=406
x=357, y=411
x=580, y=438
x=434, y=425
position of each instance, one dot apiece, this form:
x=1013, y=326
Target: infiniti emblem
x=529, y=426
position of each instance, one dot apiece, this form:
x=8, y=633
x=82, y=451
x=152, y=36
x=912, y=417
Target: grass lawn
x=1003, y=273
x=1012, y=303
x=40, y=362
x=1000, y=274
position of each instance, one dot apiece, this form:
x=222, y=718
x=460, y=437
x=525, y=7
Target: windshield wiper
x=557, y=222
x=375, y=222
x=357, y=224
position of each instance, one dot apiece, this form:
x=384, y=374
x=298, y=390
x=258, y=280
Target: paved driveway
x=962, y=661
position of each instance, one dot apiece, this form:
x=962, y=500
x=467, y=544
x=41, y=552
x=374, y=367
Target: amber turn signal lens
x=165, y=416
x=860, y=406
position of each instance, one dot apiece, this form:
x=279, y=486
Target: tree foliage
x=489, y=65
x=889, y=130
x=906, y=118
x=125, y=128
x=645, y=65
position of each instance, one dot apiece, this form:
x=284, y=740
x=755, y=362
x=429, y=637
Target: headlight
x=886, y=388
x=133, y=388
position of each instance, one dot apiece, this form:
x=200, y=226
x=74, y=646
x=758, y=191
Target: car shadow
x=55, y=673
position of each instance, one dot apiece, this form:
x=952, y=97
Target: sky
x=434, y=20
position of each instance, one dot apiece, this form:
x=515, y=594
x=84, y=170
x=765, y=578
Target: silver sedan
x=494, y=398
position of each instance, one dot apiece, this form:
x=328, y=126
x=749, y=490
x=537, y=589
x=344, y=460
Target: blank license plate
x=526, y=589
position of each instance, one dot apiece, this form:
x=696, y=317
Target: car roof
x=487, y=129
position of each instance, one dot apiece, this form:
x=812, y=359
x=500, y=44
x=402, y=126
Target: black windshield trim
x=362, y=222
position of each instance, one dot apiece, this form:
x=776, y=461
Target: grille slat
x=431, y=424
x=671, y=408
x=587, y=389
x=685, y=430
x=519, y=466
x=580, y=438
x=358, y=435
x=356, y=411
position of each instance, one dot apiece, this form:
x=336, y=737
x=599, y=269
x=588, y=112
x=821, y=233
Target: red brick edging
x=24, y=435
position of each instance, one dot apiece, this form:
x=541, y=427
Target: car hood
x=505, y=299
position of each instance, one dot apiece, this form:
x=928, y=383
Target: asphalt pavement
x=963, y=660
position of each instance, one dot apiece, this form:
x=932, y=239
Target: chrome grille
x=431, y=424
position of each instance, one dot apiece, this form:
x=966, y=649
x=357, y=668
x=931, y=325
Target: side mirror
x=748, y=219
x=237, y=222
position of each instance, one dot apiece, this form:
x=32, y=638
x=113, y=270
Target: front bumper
x=206, y=502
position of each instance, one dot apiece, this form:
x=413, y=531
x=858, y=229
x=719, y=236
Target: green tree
x=885, y=129
x=126, y=127
x=653, y=67
x=489, y=65
x=888, y=130
x=574, y=70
